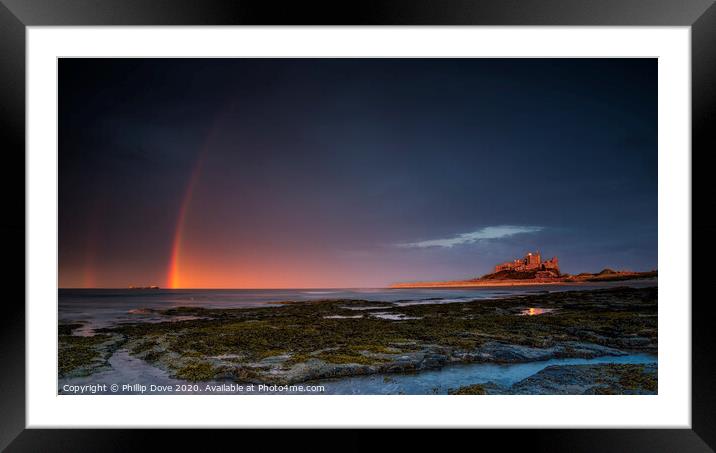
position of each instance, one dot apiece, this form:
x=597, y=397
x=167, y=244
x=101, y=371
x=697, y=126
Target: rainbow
x=174, y=272
x=173, y=276
x=89, y=279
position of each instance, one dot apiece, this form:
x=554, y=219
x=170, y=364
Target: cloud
x=490, y=232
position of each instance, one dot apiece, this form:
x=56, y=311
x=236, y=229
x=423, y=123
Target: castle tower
x=533, y=260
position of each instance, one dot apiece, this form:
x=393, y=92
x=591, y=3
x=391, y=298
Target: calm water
x=454, y=376
x=107, y=307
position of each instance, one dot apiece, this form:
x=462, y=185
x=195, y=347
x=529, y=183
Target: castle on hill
x=530, y=262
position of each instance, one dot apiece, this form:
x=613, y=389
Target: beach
x=576, y=281
x=337, y=340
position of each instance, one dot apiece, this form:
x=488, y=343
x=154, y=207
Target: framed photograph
x=435, y=215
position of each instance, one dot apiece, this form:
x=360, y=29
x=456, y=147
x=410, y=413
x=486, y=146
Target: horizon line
x=226, y=288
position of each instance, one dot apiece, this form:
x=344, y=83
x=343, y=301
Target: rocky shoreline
x=304, y=341
x=602, y=379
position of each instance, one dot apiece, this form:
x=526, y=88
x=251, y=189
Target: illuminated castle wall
x=530, y=262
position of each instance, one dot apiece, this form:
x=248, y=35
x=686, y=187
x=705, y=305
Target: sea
x=98, y=308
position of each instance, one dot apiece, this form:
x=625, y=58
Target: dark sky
x=351, y=172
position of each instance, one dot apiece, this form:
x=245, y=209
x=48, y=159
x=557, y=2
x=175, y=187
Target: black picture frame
x=16, y=15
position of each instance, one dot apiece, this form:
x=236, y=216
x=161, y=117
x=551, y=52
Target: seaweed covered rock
x=599, y=379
